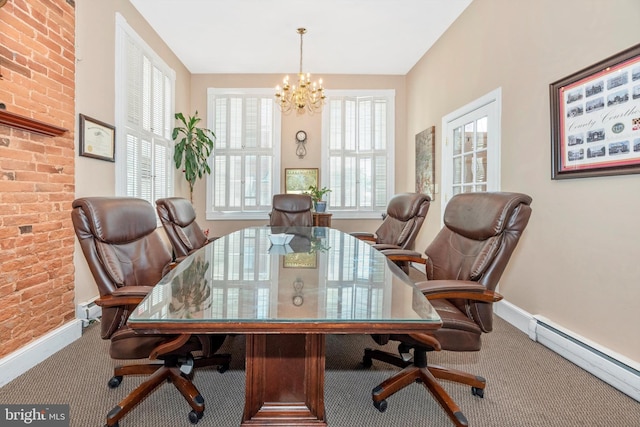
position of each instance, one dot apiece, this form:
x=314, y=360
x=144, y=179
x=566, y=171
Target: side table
x=322, y=219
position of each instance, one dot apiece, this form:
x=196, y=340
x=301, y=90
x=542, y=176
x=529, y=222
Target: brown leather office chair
x=127, y=257
x=179, y=221
x=463, y=266
x=405, y=214
x=291, y=210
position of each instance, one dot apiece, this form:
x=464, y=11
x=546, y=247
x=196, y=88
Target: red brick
x=38, y=61
x=17, y=198
x=33, y=285
x=8, y=232
x=14, y=152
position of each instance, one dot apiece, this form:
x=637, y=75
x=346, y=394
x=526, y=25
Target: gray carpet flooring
x=527, y=385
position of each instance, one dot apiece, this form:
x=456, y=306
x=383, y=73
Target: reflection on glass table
x=240, y=277
x=284, y=302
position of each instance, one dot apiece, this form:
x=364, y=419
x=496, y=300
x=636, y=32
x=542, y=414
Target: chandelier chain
x=305, y=96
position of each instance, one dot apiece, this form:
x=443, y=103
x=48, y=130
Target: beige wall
x=577, y=263
x=95, y=97
x=292, y=123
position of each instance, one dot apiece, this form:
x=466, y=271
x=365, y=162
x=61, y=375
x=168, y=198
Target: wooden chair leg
x=137, y=395
x=457, y=376
x=428, y=375
x=187, y=389
x=141, y=369
x=158, y=374
x=446, y=402
x=395, y=383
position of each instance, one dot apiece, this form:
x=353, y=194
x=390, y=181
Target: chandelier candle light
x=303, y=96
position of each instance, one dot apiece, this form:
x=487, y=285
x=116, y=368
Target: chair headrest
x=292, y=202
x=180, y=210
x=405, y=206
x=118, y=220
x=482, y=215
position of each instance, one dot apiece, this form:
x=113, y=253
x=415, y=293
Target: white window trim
x=277, y=136
x=391, y=137
x=493, y=98
x=122, y=27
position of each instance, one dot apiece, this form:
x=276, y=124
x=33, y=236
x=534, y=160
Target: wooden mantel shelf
x=26, y=123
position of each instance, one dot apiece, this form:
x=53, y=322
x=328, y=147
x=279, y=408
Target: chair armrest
x=427, y=340
x=404, y=255
x=385, y=246
x=173, y=264
x=464, y=289
x=127, y=295
x=363, y=235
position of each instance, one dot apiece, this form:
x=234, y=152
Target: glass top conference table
x=285, y=298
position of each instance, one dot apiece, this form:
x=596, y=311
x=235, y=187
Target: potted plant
x=193, y=147
x=317, y=195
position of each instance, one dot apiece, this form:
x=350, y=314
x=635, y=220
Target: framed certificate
x=97, y=139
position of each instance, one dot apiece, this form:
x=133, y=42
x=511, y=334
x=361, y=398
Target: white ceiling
x=259, y=36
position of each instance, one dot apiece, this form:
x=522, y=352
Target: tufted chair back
x=291, y=210
x=179, y=221
x=123, y=248
x=480, y=232
x=405, y=214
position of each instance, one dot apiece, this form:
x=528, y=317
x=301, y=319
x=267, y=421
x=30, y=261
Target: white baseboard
x=25, y=358
x=615, y=369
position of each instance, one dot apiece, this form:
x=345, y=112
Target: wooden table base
x=285, y=380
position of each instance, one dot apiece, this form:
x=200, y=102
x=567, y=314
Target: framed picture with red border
x=595, y=119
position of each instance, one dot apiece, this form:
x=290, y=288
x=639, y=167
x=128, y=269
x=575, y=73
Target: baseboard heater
x=616, y=370
x=88, y=312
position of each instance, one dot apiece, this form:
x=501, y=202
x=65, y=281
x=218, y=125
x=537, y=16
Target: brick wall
x=37, y=64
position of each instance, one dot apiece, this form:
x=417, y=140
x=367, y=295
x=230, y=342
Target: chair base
x=159, y=372
x=428, y=375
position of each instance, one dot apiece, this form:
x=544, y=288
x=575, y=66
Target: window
x=243, y=260
x=246, y=157
x=471, y=147
x=358, y=152
x=354, y=289
x=144, y=118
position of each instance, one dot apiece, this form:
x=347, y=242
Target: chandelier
x=303, y=96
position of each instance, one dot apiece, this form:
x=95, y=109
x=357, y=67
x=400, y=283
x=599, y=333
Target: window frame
x=212, y=214
x=124, y=30
x=389, y=94
x=491, y=104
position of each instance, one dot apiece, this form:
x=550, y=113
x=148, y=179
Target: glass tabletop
x=243, y=282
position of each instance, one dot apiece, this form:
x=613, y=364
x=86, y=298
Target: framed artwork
x=595, y=119
x=97, y=139
x=425, y=161
x=297, y=181
x=300, y=260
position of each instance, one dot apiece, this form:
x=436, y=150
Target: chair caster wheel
x=381, y=405
x=195, y=416
x=477, y=391
x=115, y=381
x=223, y=368
x=115, y=425
x=367, y=362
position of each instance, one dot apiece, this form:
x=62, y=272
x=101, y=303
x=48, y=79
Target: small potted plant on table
x=317, y=195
